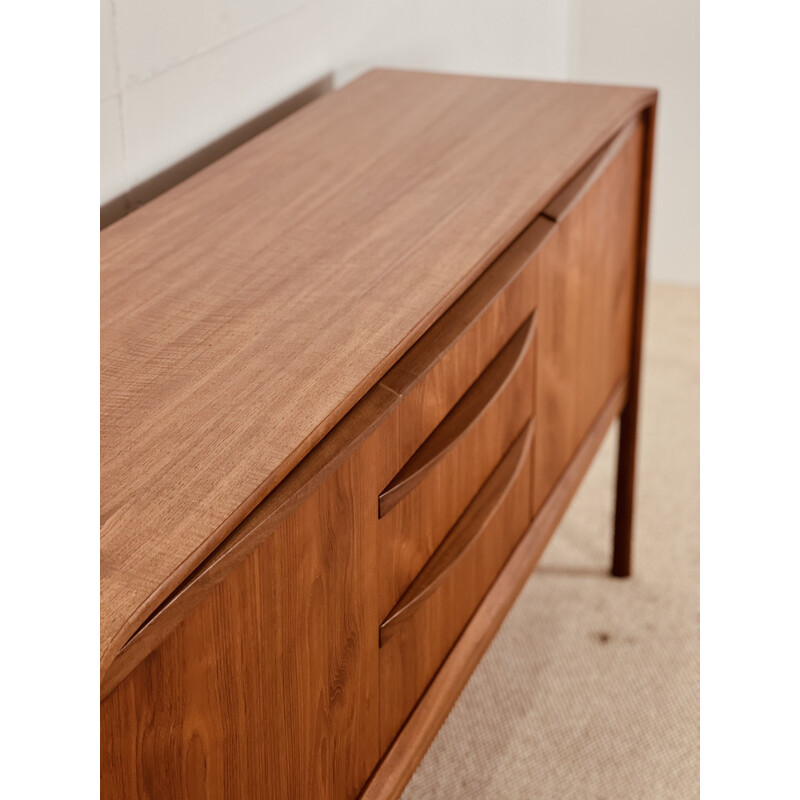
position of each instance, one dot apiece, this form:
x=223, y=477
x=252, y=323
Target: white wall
x=654, y=43
x=177, y=74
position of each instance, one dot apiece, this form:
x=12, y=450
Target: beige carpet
x=591, y=689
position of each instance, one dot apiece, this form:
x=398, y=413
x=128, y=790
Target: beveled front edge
x=460, y=419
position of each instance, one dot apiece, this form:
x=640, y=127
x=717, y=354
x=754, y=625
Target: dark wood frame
x=629, y=419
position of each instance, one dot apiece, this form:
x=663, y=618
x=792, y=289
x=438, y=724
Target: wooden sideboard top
x=245, y=311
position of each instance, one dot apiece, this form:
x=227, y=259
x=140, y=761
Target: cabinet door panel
x=269, y=687
x=586, y=271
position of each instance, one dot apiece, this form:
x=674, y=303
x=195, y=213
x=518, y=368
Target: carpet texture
x=591, y=688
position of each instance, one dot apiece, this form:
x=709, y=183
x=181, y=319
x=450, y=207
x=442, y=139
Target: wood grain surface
x=460, y=420
x=463, y=536
x=439, y=369
x=587, y=273
x=428, y=619
x=628, y=425
x=374, y=409
x=413, y=397
x=411, y=531
x=409, y=746
x=562, y=203
x=268, y=687
x=245, y=311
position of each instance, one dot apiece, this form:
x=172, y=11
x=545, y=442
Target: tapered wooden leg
x=626, y=462
x=626, y=474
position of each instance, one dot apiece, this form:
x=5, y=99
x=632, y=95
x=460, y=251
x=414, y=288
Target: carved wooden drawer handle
x=463, y=534
x=462, y=416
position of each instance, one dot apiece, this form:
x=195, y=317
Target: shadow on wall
x=151, y=188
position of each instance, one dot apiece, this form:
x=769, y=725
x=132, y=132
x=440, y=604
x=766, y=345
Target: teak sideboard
x=352, y=374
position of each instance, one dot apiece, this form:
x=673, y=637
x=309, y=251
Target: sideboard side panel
x=269, y=688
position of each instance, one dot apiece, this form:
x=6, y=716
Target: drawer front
x=428, y=494
x=587, y=273
x=422, y=627
x=436, y=372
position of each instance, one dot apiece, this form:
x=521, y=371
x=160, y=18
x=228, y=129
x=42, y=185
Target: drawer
x=419, y=631
x=431, y=490
x=435, y=373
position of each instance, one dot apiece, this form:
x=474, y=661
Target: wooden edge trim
x=304, y=479
x=395, y=770
x=466, y=311
x=462, y=417
x=564, y=201
x=626, y=463
x=463, y=535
